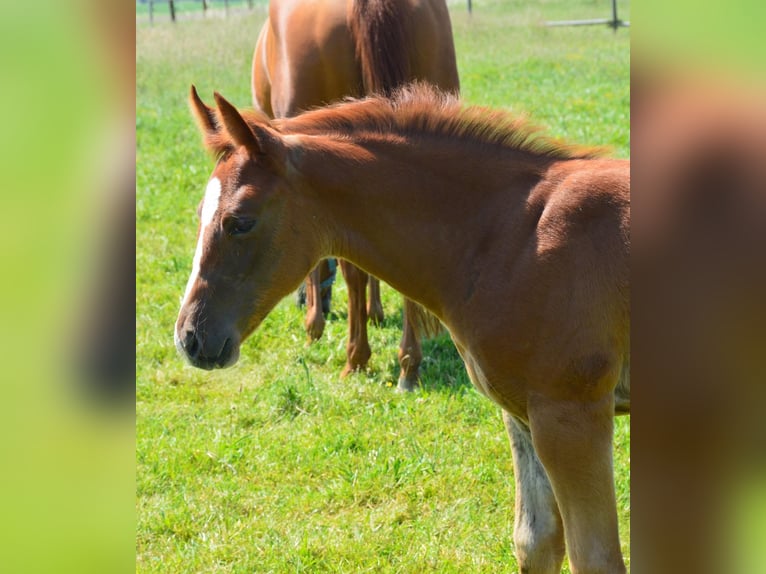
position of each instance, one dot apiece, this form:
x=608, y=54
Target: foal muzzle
x=204, y=351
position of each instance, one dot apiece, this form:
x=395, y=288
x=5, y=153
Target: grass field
x=277, y=465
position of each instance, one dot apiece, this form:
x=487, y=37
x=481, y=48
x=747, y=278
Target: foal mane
x=422, y=111
x=417, y=111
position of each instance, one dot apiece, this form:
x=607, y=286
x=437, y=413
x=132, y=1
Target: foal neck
x=409, y=213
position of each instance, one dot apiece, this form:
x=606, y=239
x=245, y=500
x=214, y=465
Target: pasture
x=277, y=465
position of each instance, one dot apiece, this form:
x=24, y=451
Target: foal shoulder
x=584, y=201
x=579, y=190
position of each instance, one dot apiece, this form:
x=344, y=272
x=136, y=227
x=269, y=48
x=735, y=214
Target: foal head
x=242, y=265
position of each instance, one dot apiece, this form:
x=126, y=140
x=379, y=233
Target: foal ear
x=259, y=139
x=204, y=115
x=235, y=124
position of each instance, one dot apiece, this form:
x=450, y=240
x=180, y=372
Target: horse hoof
x=326, y=305
x=314, y=330
x=406, y=385
x=300, y=296
x=375, y=316
x=348, y=369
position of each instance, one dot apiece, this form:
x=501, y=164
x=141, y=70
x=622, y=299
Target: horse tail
x=423, y=322
x=382, y=45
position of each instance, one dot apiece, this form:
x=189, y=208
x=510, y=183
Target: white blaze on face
x=209, y=207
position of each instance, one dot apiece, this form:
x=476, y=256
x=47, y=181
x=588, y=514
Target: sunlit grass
x=277, y=465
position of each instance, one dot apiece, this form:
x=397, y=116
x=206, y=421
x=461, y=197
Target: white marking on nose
x=209, y=207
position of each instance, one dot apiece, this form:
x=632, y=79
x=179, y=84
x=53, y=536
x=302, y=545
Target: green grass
x=277, y=465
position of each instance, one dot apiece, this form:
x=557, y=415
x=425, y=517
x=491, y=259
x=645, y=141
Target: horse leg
x=374, y=305
x=327, y=277
x=573, y=440
x=314, y=322
x=410, y=352
x=537, y=530
x=358, y=348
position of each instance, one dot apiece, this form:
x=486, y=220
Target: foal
x=517, y=243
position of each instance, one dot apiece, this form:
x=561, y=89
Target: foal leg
x=410, y=351
x=374, y=305
x=537, y=530
x=358, y=348
x=574, y=442
x=314, y=322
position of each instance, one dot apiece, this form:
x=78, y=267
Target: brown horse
x=313, y=53
x=519, y=244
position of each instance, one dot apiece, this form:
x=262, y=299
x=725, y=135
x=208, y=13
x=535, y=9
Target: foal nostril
x=191, y=344
x=224, y=353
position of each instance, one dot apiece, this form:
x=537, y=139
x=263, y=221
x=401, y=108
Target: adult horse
x=517, y=243
x=309, y=54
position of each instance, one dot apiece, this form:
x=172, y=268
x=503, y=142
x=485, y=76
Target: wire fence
x=164, y=10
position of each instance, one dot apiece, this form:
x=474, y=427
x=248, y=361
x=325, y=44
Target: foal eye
x=240, y=226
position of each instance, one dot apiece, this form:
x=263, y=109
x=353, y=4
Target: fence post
x=250, y=4
x=226, y=5
x=470, y=7
x=151, y=12
x=204, y=7
x=172, y=10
